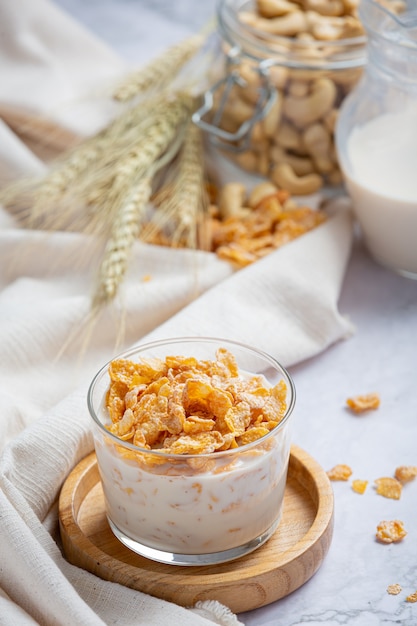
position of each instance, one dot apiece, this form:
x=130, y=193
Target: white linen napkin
x=285, y=304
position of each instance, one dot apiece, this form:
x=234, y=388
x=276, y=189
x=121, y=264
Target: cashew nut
x=288, y=137
x=351, y=6
x=279, y=76
x=286, y=26
x=327, y=28
x=335, y=177
x=275, y=8
x=261, y=191
x=330, y=120
x=300, y=165
x=238, y=109
x=262, y=164
x=316, y=139
x=247, y=160
x=298, y=88
x=348, y=78
x=284, y=176
x=271, y=120
x=249, y=93
x=231, y=200
x=326, y=7
x=305, y=111
x=323, y=164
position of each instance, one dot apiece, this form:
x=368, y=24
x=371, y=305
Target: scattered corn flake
x=244, y=238
x=339, y=472
x=406, y=473
x=359, y=486
x=362, y=403
x=412, y=597
x=394, y=590
x=388, y=487
x=390, y=531
x=146, y=278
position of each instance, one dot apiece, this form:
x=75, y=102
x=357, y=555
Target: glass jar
x=189, y=507
x=376, y=138
x=274, y=109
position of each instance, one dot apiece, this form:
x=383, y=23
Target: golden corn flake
x=359, y=486
x=405, y=473
x=238, y=233
x=394, y=590
x=339, y=472
x=243, y=239
x=390, y=531
x=412, y=597
x=181, y=405
x=252, y=434
x=388, y=487
x=360, y=404
x=199, y=443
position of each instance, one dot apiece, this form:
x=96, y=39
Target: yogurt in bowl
x=192, y=438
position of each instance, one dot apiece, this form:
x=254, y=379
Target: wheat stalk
x=131, y=179
x=161, y=130
x=35, y=201
x=190, y=193
x=125, y=231
x=160, y=71
x=182, y=198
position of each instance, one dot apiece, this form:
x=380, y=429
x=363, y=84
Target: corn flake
x=243, y=239
x=412, y=597
x=199, y=443
x=405, y=473
x=390, y=531
x=394, y=590
x=252, y=434
x=339, y=472
x=388, y=487
x=360, y=404
x=182, y=405
x=359, y=486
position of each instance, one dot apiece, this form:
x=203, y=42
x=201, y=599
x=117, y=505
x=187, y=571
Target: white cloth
x=285, y=304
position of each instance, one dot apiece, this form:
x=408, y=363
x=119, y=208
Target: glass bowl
x=194, y=509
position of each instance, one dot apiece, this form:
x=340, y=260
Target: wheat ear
x=162, y=127
x=190, y=189
x=63, y=184
x=125, y=231
x=160, y=71
x=181, y=208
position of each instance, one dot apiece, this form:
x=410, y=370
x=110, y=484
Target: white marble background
x=350, y=587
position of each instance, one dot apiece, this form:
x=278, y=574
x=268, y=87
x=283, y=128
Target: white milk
x=199, y=512
x=382, y=182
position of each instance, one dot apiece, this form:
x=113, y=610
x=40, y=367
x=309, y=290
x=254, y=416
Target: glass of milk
x=194, y=509
x=376, y=138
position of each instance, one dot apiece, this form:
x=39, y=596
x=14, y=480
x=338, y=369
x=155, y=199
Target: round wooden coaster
x=284, y=563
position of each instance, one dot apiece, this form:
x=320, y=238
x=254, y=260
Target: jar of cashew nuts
x=286, y=66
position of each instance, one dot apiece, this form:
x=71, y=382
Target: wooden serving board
x=284, y=563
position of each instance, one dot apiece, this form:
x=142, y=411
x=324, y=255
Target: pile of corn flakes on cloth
x=285, y=304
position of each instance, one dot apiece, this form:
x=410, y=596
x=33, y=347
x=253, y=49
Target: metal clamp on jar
x=238, y=140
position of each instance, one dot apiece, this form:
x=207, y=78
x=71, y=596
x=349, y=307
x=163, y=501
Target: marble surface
x=350, y=587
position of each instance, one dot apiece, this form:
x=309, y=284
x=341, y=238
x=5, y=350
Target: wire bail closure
x=239, y=140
